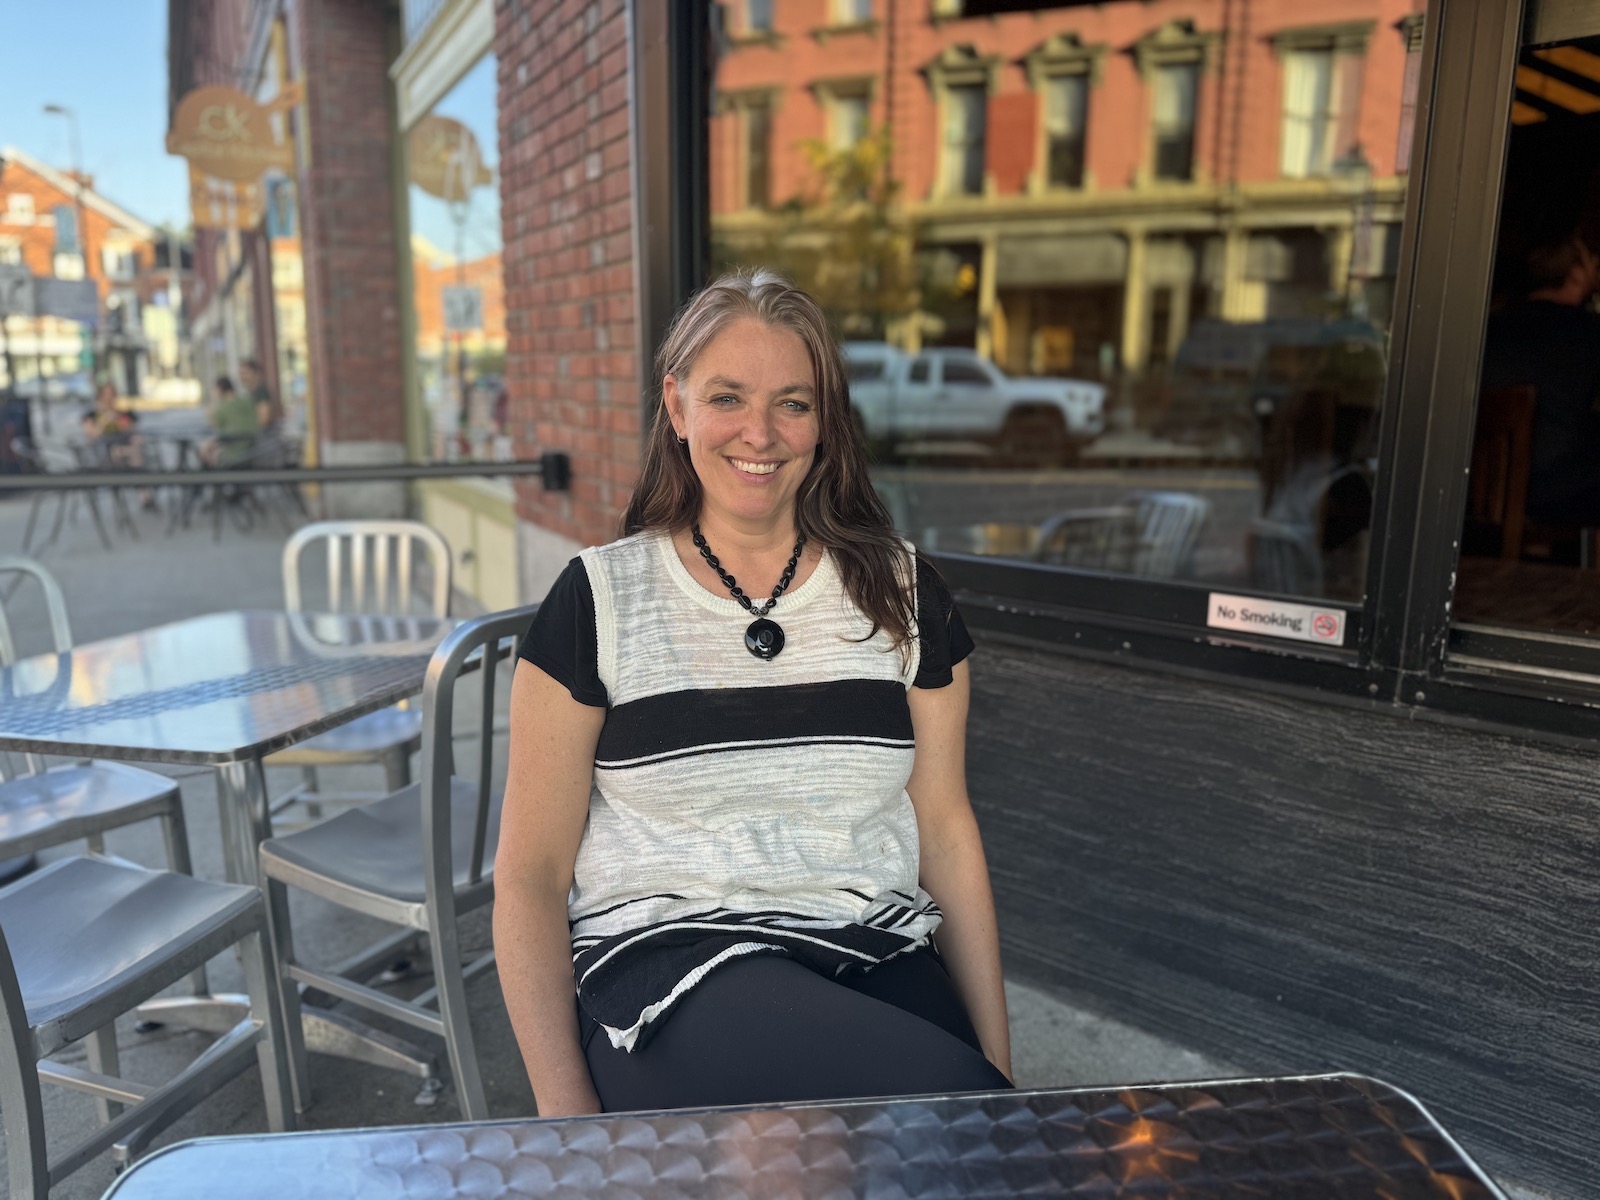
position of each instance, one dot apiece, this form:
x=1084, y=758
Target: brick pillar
x=343, y=49
x=567, y=212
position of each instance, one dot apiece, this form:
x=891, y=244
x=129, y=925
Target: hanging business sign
x=463, y=308
x=69, y=299
x=1276, y=618
x=228, y=135
x=445, y=160
x=223, y=204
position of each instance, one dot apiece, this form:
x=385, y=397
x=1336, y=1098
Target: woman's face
x=748, y=409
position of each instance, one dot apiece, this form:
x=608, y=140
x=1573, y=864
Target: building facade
x=55, y=226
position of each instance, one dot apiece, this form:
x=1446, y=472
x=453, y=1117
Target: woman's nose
x=759, y=428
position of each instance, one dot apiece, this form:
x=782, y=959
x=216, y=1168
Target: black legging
x=763, y=1029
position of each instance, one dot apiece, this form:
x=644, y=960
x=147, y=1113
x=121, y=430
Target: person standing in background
x=268, y=413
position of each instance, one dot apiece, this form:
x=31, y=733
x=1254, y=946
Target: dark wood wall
x=1298, y=886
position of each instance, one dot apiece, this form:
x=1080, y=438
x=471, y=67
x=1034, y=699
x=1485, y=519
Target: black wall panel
x=1301, y=887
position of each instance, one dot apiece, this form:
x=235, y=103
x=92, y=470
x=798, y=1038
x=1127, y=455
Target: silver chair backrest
x=19, y=1087
x=369, y=567
x=1169, y=526
x=476, y=643
x=55, y=602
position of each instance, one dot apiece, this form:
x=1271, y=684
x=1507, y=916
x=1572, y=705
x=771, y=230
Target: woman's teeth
x=754, y=468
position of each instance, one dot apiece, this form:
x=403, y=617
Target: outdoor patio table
x=1329, y=1136
x=225, y=690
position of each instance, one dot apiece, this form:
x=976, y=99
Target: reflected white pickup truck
x=955, y=394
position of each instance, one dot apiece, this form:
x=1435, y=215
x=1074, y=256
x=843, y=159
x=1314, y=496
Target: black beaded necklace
x=763, y=638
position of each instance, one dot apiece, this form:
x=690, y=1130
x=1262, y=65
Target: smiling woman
x=764, y=847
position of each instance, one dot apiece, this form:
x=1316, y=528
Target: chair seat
x=82, y=929
x=377, y=848
x=360, y=739
x=65, y=797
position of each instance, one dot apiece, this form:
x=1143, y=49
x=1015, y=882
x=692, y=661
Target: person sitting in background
x=234, y=425
x=1550, y=340
x=114, y=434
x=268, y=415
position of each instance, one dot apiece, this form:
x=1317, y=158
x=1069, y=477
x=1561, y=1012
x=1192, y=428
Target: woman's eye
x=724, y=400
x=797, y=406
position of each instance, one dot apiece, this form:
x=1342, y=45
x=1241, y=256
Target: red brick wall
x=342, y=50
x=567, y=214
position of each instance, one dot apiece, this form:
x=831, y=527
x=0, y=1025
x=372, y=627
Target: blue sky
x=106, y=59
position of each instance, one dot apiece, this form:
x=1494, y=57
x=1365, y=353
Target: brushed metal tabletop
x=1330, y=1137
x=222, y=688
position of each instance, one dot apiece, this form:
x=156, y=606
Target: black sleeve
x=941, y=632
x=562, y=642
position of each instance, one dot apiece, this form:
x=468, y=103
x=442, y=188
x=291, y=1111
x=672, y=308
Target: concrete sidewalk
x=157, y=579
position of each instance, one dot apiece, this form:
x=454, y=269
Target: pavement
x=157, y=578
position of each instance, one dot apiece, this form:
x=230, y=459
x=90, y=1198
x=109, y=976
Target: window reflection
x=1528, y=548
x=1114, y=280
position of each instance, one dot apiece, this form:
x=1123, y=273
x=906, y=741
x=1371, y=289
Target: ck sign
x=227, y=135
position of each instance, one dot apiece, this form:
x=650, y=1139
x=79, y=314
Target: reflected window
x=756, y=125
x=847, y=121
x=1310, y=116
x=851, y=12
x=1177, y=383
x=1172, y=120
x=758, y=16
x=1065, y=112
x=965, y=121
x=1532, y=526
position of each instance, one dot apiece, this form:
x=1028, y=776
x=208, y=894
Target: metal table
x=226, y=690
x=1329, y=1137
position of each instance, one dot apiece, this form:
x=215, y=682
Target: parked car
x=1231, y=380
x=952, y=394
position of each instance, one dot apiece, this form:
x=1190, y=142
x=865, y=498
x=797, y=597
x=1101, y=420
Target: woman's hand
x=549, y=776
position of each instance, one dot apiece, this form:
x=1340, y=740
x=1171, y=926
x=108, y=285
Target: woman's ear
x=673, y=399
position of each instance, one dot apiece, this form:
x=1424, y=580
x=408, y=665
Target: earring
x=683, y=441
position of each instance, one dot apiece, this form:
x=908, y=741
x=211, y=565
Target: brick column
x=567, y=213
x=343, y=49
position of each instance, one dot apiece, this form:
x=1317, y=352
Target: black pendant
x=764, y=638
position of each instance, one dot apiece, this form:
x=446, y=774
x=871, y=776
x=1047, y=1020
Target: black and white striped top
x=739, y=806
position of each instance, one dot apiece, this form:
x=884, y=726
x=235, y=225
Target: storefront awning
x=1061, y=261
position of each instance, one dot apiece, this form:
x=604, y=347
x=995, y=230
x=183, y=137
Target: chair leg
x=174, y=831
x=96, y=841
x=102, y=1051
x=33, y=515
x=308, y=776
x=99, y=522
x=397, y=768
x=22, y=1108
x=445, y=948
x=261, y=982
x=288, y=1005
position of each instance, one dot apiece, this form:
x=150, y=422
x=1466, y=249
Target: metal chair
x=87, y=939
x=368, y=572
x=420, y=859
x=42, y=807
x=1149, y=534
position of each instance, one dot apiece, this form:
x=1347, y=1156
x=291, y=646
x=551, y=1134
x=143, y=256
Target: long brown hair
x=836, y=506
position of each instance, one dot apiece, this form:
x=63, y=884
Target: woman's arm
x=954, y=872
x=551, y=768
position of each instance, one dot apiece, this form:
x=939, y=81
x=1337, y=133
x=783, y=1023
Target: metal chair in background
x=42, y=807
x=87, y=939
x=1150, y=534
x=36, y=460
x=419, y=859
x=369, y=571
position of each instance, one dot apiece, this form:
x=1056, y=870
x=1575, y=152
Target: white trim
x=69, y=186
x=451, y=44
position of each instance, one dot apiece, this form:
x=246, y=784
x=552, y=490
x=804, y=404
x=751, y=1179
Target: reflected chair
x=369, y=571
x=42, y=807
x=1502, y=464
x=419, y=859
x=1150, y=534
x=87, y=939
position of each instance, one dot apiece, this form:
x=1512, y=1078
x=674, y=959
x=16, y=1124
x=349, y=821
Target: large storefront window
x=1114, y=280
x=1529, y=545
x=457, y=295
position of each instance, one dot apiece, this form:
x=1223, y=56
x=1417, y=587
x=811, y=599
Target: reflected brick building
x=1095, y=176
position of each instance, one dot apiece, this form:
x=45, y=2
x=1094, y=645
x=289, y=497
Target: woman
x=736, y=840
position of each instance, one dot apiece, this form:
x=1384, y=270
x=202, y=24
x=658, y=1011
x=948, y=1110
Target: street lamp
x=61, y=110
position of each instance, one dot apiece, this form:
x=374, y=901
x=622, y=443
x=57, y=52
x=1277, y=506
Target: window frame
x=1062, y=56
x=958, y=67
x=1403, y=652
x=1176, y=44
